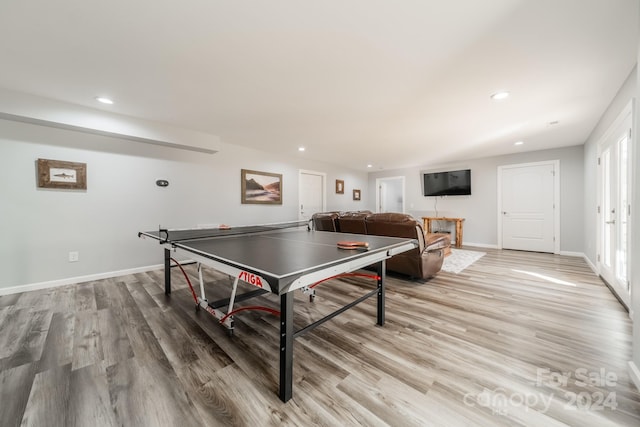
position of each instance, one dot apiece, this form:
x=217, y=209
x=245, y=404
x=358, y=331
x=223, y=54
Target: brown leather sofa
x=421, y=263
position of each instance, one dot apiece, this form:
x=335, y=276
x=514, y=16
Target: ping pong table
x=278, y=258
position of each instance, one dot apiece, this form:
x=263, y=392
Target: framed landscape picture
x=339, y=186
x=356, y=194
x=261, y=187
x=61, y=174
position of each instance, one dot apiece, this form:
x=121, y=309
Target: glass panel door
x=614, y=210
x=623, y=213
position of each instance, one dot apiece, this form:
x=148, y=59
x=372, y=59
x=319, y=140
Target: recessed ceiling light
x=518, y=143
x=369, y=166
x=500, y=95
x=104, y=100
x=301, y=148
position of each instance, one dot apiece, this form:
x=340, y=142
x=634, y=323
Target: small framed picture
x=356, y=194
x=339, y=186
x=63, y=175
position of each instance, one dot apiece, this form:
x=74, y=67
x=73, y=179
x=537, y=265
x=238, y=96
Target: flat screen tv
x=449, y=183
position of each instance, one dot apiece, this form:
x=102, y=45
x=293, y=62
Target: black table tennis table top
x=282, y=254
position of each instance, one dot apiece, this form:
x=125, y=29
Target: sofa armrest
x=436, y=241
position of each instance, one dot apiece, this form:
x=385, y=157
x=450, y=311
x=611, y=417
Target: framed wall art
x=356, y=194
x=61, y=174
x=339, y=186
x=261, y=187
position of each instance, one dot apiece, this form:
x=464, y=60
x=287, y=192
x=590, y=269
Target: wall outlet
x=74, y=256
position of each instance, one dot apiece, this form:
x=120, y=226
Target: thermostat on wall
x=162, y=183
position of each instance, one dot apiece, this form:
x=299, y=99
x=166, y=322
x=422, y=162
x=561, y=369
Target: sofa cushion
x=325, y=221
x=353, y=222
x=395, y=225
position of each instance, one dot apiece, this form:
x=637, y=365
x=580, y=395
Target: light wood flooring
x=509, y=341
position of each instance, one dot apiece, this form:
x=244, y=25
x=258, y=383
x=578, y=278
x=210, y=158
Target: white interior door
x=311, y=194
x=614, y=207
x=390, y=195
x=527, y=206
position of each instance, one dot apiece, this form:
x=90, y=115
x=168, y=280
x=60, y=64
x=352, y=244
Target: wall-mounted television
x=449, y=183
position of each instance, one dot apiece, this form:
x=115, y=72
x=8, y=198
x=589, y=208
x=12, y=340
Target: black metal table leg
x=286, y=346
x=167, y=271
x=381, y=268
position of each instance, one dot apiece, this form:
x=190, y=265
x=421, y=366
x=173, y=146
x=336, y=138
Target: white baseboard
x=570, y=253
x=74, y=280
x=590, y=264
x=634, y=374
x=481, y=245
x=565, y=253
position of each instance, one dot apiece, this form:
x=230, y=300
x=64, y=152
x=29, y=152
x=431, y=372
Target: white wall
x=39, y=227
x=629, y=92
x=626, y=93
x=480, y=209
x=634, y=256
x=353, y=180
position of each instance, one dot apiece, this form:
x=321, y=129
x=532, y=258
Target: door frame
x=556, y=199
x=389, y=178
x=627, y=112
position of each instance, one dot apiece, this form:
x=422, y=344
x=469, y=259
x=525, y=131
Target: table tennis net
x=175, y=235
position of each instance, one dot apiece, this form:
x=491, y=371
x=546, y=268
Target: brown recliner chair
x=422, y=262
x=325, y=221
x=353, y=222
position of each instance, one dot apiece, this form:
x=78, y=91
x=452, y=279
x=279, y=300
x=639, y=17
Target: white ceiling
x=392, y=83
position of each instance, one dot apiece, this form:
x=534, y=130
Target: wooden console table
x=427, y=226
